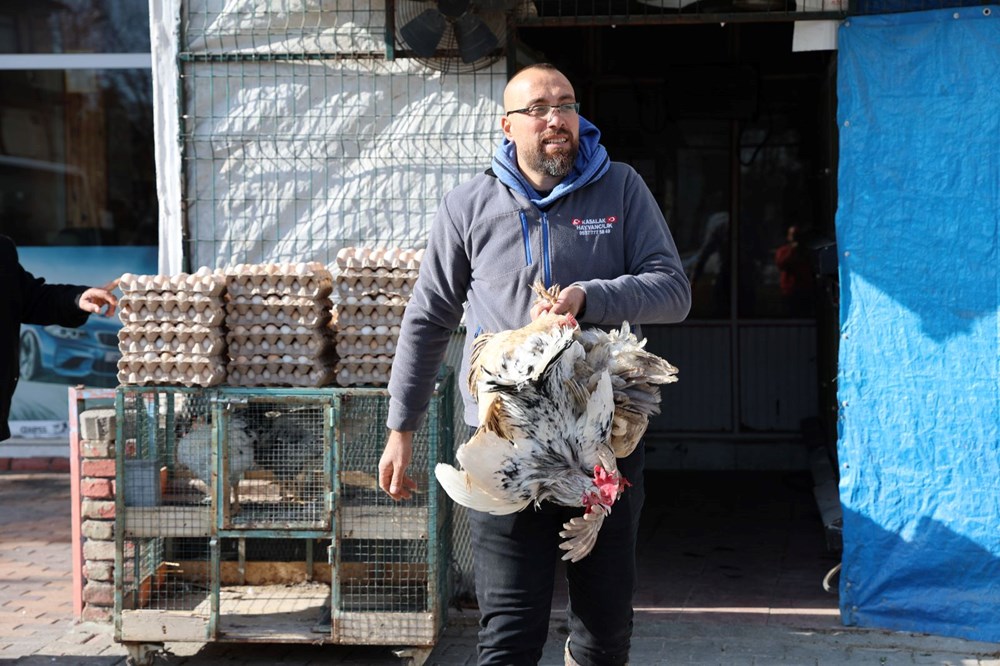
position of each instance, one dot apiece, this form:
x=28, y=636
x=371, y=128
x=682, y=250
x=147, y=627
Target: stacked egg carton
x=373, y=287
x=278, y=320
x=171, y=331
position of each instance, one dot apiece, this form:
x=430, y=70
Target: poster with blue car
x=55, y=357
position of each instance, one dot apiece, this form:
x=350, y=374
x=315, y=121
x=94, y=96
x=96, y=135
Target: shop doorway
x=734, y=134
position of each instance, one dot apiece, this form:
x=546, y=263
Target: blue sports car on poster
x=56, y=353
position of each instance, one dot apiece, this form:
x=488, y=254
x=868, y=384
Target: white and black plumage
x=291, y=447
x=557, y=406
x=194, y=452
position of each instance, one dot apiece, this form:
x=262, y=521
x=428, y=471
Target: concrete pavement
x=37, y=625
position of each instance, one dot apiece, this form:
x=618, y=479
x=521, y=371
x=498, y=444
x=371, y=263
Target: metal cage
x=254, y=515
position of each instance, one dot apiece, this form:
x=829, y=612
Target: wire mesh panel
x=164, y=510
x=274, y=588
x=299, y=136
x=167, y=461
x=285, y=481
x=390, y=559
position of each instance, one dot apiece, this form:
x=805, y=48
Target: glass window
x=76, y=157
x=75, y=26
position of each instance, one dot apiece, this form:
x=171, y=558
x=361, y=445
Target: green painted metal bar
x=119, y=513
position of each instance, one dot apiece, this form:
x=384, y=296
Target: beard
x=557, y=164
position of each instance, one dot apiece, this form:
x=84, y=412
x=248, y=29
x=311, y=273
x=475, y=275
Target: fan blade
x=474, y=38
x=423, y=34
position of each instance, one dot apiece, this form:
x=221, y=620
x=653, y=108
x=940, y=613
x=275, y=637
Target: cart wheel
x=413, y=656
x=142, y=654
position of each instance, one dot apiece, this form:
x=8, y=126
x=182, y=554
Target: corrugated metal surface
x=701, y=400
x=777, y=377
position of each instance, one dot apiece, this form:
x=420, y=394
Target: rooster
x=557, y=406
x=194, y=452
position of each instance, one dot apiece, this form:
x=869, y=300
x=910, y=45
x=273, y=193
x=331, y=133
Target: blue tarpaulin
x=919, y=381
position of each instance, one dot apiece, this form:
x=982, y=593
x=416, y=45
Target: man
x=26, y=299
x=552, y=207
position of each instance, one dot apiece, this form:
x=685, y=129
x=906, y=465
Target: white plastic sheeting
x=297, y=137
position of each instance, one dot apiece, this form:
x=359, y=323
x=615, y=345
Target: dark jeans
x=515, y=560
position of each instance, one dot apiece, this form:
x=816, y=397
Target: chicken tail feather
x=463, y=489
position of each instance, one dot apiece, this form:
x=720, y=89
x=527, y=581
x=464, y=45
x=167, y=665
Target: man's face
x=546, y=146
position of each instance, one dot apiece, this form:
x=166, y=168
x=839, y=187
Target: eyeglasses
x=543, y=110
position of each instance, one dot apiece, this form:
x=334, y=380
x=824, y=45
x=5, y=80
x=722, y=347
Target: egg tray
x=168, y=332
x=206, y=346
x=298, y=357
x=273, y=330
x=206, y=372
x=297, y=376
x=212, y=315
x=295, y=287
x=393, y=258
x=169, y=299
x=373, y=300
x=368, y=330
x=260, y=344
x=203, y=282
x=358, y=346
x=168, y=361
x=309, y=318
x=369, y=313
x=375, y=284
x=259, y=272
x=355, y=377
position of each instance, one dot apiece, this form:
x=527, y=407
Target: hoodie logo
x=594, y=226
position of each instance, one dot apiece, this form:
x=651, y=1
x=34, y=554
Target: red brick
x=101, y=594
x=4, y=464
x=98, y=509
x=98, y=468
x=29, y=465
x=91, y=449
x=100, y=571
x=101, y=614
x=96, y=488
x=102, y=551
x=102, y=530
x=59, y=465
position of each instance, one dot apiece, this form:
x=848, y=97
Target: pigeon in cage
x=557, y=407
x=194, y=452
x=291, y=448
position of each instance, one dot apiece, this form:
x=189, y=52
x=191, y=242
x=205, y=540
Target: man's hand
x=95, y=299
x=396, y=458
x=572, y=299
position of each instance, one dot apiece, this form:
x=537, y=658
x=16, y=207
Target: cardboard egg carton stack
x=372, y=288
x=278, y=319
x=171, y=331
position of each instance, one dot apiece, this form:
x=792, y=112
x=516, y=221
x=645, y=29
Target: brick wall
x=97, y=513
x=40, y=464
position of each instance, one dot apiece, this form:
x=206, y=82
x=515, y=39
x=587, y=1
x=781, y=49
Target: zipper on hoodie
x=546, y=263
x=526, y=239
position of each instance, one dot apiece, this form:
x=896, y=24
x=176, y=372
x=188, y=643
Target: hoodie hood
x=591, y=163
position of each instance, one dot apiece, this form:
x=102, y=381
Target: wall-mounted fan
x=441, y=32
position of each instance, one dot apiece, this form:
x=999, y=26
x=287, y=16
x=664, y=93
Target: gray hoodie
x=490, y=242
